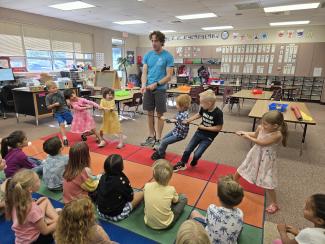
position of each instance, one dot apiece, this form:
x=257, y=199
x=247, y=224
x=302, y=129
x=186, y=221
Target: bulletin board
x=107, y=79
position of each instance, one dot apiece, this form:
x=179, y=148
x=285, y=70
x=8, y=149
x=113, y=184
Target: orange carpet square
x=35, y=148
x=252, y=205
x=138, y=174
x=189, y=186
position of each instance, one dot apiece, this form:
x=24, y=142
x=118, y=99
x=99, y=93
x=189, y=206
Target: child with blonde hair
x=77, y=224
x=191, y=232
x=163, y=206
x=78, y=179
x=111, y=123
x=259, y=166
x=33, y=221
x=224, y=224
x=183, y=102
x=212, y=122
x=55, y=101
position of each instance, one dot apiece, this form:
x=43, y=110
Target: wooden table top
x=178, y=91
x=262, y=107
x=247, y=94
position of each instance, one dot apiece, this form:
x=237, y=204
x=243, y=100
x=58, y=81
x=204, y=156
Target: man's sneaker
x=150, y=141
x=193, y=163
x=102, y=143
x=179, y=166
x=83, y=137
x=155, y=156
x=156, y=145
x=66, y=142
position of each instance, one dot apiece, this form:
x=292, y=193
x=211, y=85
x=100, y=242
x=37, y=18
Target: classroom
x=146, y=121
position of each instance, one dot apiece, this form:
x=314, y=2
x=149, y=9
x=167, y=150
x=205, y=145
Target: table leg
x=17, y=117
x=303, y=138
x=118, y=108
x=254, y=123
x=36, y=120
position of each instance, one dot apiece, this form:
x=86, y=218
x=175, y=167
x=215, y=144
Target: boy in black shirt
x=212, y=121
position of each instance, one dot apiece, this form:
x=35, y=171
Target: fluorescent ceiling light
x=226, y=27
x=196, y=16
x=168, y=31
x=130, y=22
x=291, y=7
x=72, y=5
x=303, y=22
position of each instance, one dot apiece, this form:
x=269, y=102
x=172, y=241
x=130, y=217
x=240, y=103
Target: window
x=10, y=40
x=62, y=60
x=38, y=60
x=117, y=53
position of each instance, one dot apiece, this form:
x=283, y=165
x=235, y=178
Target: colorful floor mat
x=198, y=183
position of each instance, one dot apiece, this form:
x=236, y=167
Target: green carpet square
x=135, y=223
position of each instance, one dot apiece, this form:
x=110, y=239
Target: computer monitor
x=6, y=75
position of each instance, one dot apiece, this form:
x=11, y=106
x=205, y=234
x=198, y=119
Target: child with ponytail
x=33, y=221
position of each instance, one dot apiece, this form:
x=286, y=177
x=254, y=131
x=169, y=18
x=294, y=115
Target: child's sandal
x=272, y=209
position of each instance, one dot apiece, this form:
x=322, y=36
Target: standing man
x=157, y=72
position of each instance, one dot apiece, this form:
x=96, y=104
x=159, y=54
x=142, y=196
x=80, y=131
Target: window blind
x=10, y=40
x=36, y=38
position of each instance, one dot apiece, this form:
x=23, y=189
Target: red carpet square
x=226, y=170
x=110, y=148
x=74, y=137
x=203, y=170
x=143, y=156
x=252, y=205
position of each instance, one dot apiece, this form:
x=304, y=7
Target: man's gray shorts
x=155, y=100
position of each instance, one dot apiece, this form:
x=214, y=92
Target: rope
x=170, y=122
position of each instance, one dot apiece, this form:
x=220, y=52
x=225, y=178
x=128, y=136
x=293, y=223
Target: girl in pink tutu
x=83, y=122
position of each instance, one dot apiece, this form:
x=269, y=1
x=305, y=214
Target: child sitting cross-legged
x=224, y=224
x=163, y=206
x=115, y=198
x=54, y=164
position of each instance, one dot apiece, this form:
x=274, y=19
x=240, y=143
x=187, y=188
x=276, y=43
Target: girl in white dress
x=259, y=166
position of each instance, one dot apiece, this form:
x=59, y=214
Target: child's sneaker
x=120, y=145
x=150, y=141
x=65, y=142
x=83, y=137
x=102, y=143
x=156, y=156
x=179, y=166
x=193, y=163
x=156, y=145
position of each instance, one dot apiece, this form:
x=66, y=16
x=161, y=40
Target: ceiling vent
x=248, y=6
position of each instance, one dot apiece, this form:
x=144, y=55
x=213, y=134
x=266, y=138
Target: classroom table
x=32, y=103
x=262, y=107
x=247, y=94
x=178, y=91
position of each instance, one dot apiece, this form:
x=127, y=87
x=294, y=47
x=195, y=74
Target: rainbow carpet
x=198, y=184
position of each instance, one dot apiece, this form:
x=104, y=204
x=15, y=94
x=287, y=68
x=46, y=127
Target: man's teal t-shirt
x=157, y=65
